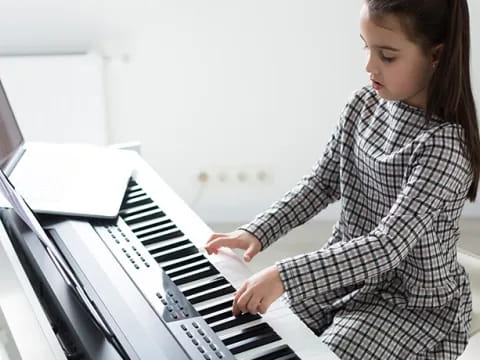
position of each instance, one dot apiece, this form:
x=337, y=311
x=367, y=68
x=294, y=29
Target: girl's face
x=399, y=69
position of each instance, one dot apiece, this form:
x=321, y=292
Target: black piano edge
x=77, y=334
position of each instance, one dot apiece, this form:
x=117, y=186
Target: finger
x=241, y=305
x=253, y=303
x=214, y=236
x=250, y=253
x=236, y=297
x=263, y=306
x=213, y=246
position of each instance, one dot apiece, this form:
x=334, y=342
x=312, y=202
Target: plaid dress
x=387, y=284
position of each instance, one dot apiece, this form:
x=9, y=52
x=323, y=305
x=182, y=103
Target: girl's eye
x=387, y=59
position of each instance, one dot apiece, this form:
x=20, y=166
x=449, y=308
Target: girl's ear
x=436, y=54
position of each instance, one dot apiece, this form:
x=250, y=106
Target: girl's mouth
x=376, y=85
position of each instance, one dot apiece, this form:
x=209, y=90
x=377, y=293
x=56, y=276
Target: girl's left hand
x=258, y=292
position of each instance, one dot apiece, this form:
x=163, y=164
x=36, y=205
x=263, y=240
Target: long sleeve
x=439, y=174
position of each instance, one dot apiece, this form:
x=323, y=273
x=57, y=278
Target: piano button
x=195, y=325
x=189, y=334
x=195, y=342
x=212, y=294
x=235, y=321
x=200, y=332
x=183, y=327
x=176, y=254
x=254, y=342
x=209, y=285
x=219, y=354
x=217, y=307
x=201, y=349
x=207, y=339
x=164, y=302
x=207, y=357
x=178, y=264
x=162, y=237
x=196, y=276
x=281, y=352
x=213, y=347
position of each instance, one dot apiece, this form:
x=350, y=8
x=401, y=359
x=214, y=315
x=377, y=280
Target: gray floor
x=313, y=235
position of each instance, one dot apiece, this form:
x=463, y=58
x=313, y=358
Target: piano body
x=156, y=295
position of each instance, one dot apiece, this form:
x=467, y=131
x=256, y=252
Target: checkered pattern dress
x=387, y=285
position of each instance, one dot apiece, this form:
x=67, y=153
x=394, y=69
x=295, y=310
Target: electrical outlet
x=245, y=175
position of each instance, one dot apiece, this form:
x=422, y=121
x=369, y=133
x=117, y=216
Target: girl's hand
x=258, y=292
x=238, y=239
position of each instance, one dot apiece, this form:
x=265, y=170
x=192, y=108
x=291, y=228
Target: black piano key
x=239, y=320
x=288, y=357
x=169, y=246
x=153, y=231
x=178, y=264
x=156, y=214
x=155, y=224
x=210, y=285
x=221, y=316
x=188, y=269
x=214, y=308
x=282, y=352
x=250, y=332
x=212, y=295
x=126, y=213
x=132, y=182
x=176, y=254
x=254, y=342
x=135, y=203
x=135, y=194
x=197, y=276
x=163, y=237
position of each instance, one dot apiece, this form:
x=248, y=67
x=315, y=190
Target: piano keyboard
x=192, y=292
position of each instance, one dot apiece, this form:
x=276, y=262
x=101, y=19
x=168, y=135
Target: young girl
x=403, y=160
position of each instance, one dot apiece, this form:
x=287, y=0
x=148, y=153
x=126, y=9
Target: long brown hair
x=433, y=22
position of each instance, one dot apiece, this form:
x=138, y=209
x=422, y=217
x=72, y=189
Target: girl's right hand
x=238, y=239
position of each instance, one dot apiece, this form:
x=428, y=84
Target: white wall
x=220, y=86
x=57, y=98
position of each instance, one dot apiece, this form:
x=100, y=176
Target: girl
x=403, y=160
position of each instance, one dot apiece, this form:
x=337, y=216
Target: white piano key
x=296, y=334
x=140, y=198
x=197, y=282
x=211, y=302
x=149, y=222
x=157, y=229
x=252, y=353
x=162, y=233
x=125, y=213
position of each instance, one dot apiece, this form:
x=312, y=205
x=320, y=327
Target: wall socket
x=242, y=175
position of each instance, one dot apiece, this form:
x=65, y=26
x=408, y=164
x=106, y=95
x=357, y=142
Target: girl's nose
x=370, y=66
